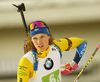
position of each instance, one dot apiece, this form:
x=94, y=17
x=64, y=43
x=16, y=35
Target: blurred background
x=72, y=18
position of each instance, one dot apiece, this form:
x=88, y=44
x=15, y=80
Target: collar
x=43, y=54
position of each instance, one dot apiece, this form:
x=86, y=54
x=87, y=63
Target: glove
x=68, y=68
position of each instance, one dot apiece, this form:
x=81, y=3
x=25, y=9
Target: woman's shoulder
x=29, y=56
x=26, y=61
x=61, y=43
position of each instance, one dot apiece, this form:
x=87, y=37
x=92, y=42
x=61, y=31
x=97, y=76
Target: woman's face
x=41, y=41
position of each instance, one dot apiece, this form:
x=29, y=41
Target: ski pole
x=80, y=73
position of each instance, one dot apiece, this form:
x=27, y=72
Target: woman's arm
x=63, y=43
x=71, y=43
x=25, y=70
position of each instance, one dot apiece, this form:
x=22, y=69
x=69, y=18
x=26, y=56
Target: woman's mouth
x=40, y=46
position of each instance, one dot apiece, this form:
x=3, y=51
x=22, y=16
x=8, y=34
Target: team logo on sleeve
x=48, y=64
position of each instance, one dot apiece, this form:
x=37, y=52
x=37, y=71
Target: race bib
x=52, y=77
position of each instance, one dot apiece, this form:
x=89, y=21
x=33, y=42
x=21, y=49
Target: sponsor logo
x=20, y=73
x=83, y=50
x=20, y=80
x=53, y=49
x=39, y=53
x=58, y=40
x=36, y=29
x=56, y=47
x=22, y=68
x=48, y=64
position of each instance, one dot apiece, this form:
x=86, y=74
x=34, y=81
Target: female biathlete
x=42, y=62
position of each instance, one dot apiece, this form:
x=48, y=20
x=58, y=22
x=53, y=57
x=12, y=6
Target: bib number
x=53, y=77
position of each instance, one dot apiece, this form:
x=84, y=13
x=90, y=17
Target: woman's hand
x=68, y=68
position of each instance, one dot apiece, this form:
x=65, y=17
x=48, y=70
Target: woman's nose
x=39, y=41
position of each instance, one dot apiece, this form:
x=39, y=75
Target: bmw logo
x=48, y=64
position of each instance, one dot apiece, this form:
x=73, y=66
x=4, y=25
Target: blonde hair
x=30, y=44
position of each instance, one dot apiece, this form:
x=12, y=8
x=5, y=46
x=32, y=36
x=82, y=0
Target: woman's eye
x=34, y=38
x=42, y=36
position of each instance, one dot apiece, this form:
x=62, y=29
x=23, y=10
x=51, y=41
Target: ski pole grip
x=99, y=45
